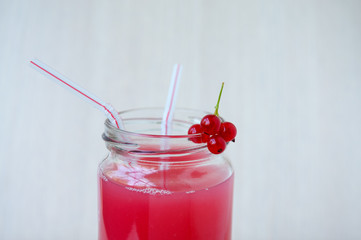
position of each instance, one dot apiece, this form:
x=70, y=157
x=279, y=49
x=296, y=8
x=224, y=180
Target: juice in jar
x=177, y=203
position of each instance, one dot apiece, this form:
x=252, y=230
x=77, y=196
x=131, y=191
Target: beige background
x=293, y=87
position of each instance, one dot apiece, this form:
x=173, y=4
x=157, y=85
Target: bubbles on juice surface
x=103, y=177
x=151, y=191
x=189, y=192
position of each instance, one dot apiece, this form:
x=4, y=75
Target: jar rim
x=146, y=121
x=109, y=125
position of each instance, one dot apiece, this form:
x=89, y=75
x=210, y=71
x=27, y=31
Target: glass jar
x=156, y=187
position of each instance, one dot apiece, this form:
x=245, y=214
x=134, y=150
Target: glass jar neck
x=142, y=140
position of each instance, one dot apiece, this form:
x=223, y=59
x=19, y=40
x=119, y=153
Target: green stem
x=219, y=99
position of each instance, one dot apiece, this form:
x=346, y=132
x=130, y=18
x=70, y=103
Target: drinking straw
x=171, y=99
x=107, y=109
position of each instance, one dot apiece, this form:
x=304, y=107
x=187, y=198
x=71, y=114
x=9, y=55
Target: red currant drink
x=174, y=211
x=184, y=192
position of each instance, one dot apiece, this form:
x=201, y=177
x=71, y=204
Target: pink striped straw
x=171, y=100
x=50, y=73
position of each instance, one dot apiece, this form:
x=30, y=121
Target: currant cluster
x=213, y=131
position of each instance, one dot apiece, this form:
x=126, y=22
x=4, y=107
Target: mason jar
x=156, y=187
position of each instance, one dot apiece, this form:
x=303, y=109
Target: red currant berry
x=228, y=131
x=210, y=124
x=205, y=137
x=216, y=144
x=196, y=129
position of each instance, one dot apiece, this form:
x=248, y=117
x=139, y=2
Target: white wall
x=292, y=71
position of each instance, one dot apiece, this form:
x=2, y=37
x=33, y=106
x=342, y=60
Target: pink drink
x=179, y=203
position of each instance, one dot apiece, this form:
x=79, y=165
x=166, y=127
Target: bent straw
x=171, y=100
x=107, y=109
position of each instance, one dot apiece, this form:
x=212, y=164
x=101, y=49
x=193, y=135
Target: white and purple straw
x=171, y=100
x=50, y=73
